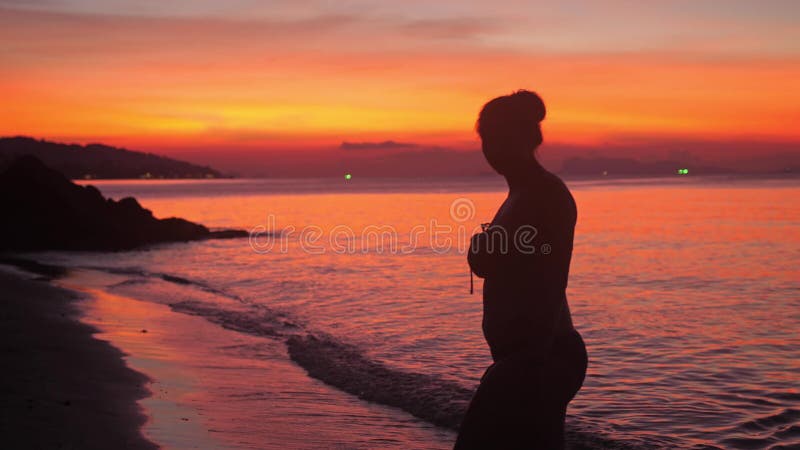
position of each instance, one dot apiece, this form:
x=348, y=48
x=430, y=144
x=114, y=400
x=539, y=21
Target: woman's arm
x=489, y=251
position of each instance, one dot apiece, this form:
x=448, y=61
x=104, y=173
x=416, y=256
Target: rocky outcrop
x=43, y=210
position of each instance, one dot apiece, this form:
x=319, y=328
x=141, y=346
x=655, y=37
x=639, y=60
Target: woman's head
x=509, y=129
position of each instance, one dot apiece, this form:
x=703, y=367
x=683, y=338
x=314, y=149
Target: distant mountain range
x=99, y=161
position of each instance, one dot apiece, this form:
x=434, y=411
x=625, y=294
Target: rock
x=43, y=210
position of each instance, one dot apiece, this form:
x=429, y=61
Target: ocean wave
x=170, y=278
x=346, y=367
x=428, y=397
x=257, y=323
x=786, y=416
x=780, y=430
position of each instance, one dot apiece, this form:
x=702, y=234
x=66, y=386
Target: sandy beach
x=62, y=387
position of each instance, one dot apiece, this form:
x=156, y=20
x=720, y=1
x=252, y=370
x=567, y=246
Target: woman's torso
x=513, y=300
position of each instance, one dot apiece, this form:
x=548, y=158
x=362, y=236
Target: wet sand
x=61, y=387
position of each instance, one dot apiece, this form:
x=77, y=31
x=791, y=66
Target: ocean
x=346, y=320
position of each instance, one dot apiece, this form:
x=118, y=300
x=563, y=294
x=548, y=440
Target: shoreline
x=62, y=387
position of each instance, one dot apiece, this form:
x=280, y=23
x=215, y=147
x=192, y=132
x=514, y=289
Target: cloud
x=385, y=145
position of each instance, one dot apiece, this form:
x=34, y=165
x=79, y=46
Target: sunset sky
x=233, y=80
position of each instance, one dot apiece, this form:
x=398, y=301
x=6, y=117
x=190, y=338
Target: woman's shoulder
x=555, y=193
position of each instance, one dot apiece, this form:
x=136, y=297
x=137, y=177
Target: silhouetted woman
x=539, y=358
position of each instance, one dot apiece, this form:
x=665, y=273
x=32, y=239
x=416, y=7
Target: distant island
x=97, y=161
x=43, y=210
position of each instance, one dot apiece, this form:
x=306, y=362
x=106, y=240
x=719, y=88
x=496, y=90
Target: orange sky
x=300, y=75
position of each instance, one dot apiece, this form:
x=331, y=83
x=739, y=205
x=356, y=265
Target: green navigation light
x=347, y=176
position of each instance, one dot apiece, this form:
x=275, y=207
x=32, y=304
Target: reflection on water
x=687, y=294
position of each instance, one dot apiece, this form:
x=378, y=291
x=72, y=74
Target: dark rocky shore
x=43, y=210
